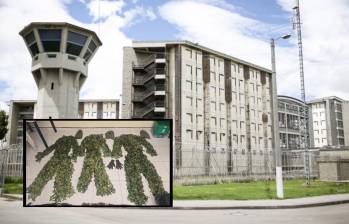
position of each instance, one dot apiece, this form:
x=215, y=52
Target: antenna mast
x=304, y=123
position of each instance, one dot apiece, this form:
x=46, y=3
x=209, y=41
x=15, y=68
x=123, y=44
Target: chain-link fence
x=195, y=164
x=11, y=161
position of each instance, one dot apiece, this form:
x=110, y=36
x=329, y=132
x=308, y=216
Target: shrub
x=14, y=180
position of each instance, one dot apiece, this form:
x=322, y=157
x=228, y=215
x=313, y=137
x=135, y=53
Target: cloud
x=101, y=9
x=105, y=69
x=222, y=27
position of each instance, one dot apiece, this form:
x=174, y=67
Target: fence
x=197, y=165
x=11, y=161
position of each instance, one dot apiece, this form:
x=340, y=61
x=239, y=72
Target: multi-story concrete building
x=328, y=123
x=346, y=122
x=25, y=109
x=292, y=118
x=221, y=105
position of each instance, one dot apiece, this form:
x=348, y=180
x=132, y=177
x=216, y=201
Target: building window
x=75, y=43
x=198, y=103
x=242, y=139
x=198, y=75
x=50, y=39
x=189, y=53
x=52, y=85
x=198, y=135
x=31, y=42
x=189, y=72
x=189, y=85
x=242, y=124
x=190, y=100
x=190, y=117
x=214, y=120
x=90, y=50
x=221, y=122
x=214, y=136
x=190, y=134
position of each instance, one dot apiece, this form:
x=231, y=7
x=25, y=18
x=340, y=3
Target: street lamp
x=277, y=150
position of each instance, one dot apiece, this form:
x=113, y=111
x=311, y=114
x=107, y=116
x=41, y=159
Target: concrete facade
x=60, y=56
x=328, y=121
x=221, y=105
x=346, y=122
x=292, y=120
x=25, y=109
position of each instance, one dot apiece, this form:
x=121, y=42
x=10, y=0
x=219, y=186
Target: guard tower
x=60, y=56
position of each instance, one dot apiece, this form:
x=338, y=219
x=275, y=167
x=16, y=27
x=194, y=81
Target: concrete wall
x=129, y=56
x=58, y=95
x=334, y=165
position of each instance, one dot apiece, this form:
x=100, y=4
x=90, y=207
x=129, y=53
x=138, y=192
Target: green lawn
x=257, y=190
x=13, y=188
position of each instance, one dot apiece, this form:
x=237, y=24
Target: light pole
x=277, y=150
x=120, y=107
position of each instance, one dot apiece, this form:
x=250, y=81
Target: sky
x=239, y=28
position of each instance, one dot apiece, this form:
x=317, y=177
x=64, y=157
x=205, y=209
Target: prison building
x=293, y=115
x=221, y=105
x=25, y=109
x=328, y=125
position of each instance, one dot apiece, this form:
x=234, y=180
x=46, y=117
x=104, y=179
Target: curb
x=11, y=197
x=264, y=206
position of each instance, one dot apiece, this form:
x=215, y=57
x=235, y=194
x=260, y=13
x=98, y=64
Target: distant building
x=328, y=121
x=291, y=123
x=88, y=109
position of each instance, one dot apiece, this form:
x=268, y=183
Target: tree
x=3, y=124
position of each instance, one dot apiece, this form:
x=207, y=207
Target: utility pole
x=305, y=125
x=277, y=149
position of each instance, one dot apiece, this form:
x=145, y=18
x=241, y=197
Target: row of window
x=94, y=115
x=51, y=42
x=254, y=75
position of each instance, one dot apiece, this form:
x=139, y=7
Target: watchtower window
x=75, y=43
x=50, y=39
x=91, y=48
x=31, y=42
x=52, y=85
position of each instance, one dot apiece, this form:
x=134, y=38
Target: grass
x=13, y=188
x=257, y=190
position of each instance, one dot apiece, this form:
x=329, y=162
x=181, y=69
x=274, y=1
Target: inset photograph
x=98, y=163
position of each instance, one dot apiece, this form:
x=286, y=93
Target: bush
x=14, y=180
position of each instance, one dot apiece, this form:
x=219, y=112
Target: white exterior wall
x=192, y=107
x=109, y=110
x=193, y=117
x=90, y=110
x=319, y=124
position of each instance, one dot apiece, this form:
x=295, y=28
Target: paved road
x=11, y=212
